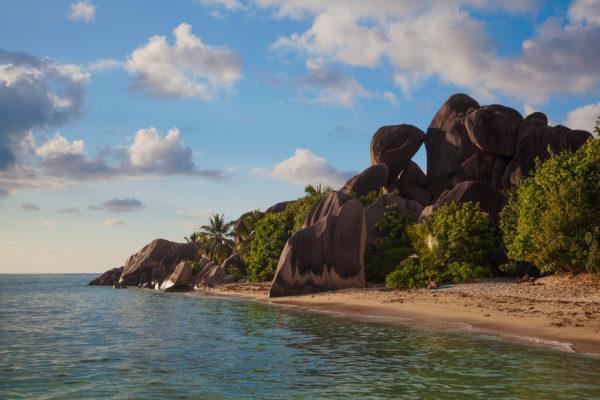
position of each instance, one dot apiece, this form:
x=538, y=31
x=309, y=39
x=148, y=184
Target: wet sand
x=559, y=311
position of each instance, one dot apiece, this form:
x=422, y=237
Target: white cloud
x=584, y=117
x=391, y=98
x=60, y=146
x=231, y=5
x=188, y=68
x=446, y=40
x=305, y=167
x=82, y=11
x=150, y=152
x=104, y=64
x=47, y=223
x=112, y=222
x=195, y=214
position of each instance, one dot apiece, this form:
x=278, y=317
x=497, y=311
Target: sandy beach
x=557, y=311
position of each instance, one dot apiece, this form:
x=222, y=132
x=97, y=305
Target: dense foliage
x=553, y=219
x=214, y=238
x=273, y=231
x=391, y=247
x=453, y=244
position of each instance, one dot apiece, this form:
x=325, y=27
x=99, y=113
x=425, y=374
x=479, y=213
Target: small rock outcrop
x=490, y=200
x=234, y=264
x=371, y=179
x=394, y=146
x=278, y=207
x=109, y=278
x=179, y=278
x=326, y=255
x=156, y=261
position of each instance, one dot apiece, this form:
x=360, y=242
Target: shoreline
x=571, y=325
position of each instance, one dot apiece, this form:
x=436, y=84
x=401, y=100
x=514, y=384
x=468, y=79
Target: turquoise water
x=60, y=339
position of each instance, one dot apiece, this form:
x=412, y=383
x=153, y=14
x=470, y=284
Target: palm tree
x=313, y=190
x=216, y=238
x=244, y=231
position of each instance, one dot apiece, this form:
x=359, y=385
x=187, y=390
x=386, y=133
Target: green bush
x=393, y=245
x=271, y=234
x=465, y=272
x=553, y=219
x=408, y=275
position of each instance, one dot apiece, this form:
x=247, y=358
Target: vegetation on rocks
x=553, y=219
x=214, y=238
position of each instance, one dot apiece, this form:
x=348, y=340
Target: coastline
x=560, y=313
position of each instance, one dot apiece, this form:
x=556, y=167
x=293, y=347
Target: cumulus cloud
x=446, y=40
x=231, y=5
x=188, y=68
x=29, y=207
x=584, y=117
x=149, y=154
x=34, y=94
x=112, y=222
x=304, y=168
x=82, y=11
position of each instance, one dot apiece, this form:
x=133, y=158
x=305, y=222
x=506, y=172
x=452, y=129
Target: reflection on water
x=62, y=339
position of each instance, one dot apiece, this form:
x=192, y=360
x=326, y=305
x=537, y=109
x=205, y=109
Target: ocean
x=61, y=339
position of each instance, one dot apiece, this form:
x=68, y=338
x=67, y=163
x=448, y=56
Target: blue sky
x=124, y=121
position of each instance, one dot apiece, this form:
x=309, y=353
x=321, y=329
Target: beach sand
x=558, y=311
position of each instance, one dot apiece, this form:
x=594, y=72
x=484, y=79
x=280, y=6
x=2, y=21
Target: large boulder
x=413, y=184
x=211, y=275
x=327, y=255
x=493, y=129
x=330, y=204
x=371, y=179
x=109, y=278
x=374, y=212
x=484, y=167
x=490, y=200
x=394, y=146
x=234, y=265
x=534, y=146
x=155, y=262
x=447, y=143
x=179, y=278
x=532, y=122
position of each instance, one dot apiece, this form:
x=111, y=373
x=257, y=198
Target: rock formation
x=326, y=255
x=394, y=146
x=179, y=278
x=155, y=262
x=331, y=204
x=374, y=212
x=371, y=179
x=109, y=278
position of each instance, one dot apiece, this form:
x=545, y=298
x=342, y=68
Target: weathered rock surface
x=413, y=184
x=109, y=278
x=331, y=204
x=493, y=129
x=156, y=261
x=374, y=212
x=327, y=255
x=447, y=148
x=179, y=278
x=532, y=122
x=490, y=200
x=455, y=108
x=371, y=179
x=394, y=146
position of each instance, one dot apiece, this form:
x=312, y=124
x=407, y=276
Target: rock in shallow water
x=109, y=278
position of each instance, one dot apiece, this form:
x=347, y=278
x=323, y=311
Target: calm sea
x=60, y=339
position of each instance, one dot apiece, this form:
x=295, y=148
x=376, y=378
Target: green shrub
x=271, y=234
x=553, y=219
x=409, y=274
x=392, y=246
x=269, y=239
x=196, y=267
x=465, y=272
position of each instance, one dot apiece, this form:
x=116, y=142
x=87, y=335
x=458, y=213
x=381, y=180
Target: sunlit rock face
x=326, y=255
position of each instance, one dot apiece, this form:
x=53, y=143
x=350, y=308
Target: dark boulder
x=109, y=278
x=530, y=123
x=327, y=255
x=455, y=108
x=485, y=167
x=413, y=184
x=394, y=146
x=278, y=207
x=155, y=262
x=234, y=265
x=331, y=204
x=493, y=129
x=179, y=278
x=371, y=179
x=374, y=212
x=490, y=200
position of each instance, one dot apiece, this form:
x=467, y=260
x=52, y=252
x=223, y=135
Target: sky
x=126, y=121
